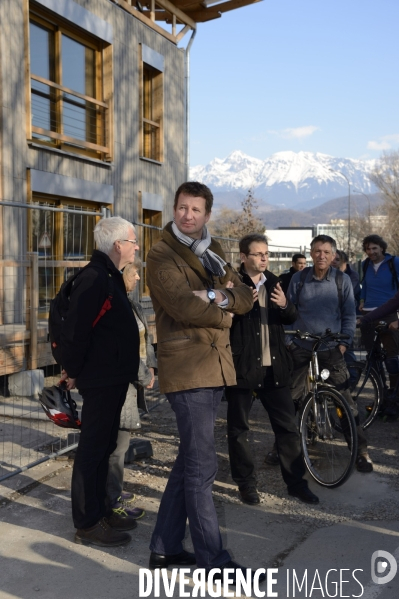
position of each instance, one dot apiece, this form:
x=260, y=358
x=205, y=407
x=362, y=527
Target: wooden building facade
x=93, y=115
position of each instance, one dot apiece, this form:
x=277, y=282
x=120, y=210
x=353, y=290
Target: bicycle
x=327, y=426
x=371, y=383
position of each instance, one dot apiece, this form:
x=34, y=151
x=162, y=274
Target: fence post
x=34, y=308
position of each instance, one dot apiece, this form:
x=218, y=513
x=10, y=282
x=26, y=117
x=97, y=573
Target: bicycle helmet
x=59, y=406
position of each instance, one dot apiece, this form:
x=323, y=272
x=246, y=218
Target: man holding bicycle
x=324, y=300
x=380, y=283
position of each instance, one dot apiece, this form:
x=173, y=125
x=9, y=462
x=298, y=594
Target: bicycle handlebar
x=321, y=337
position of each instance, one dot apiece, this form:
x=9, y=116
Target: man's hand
x=255, y=294
x=151, y=383
x=342, y=349
x=70, y=382
x=278, y=297
x=394, y=326
x=361, y=305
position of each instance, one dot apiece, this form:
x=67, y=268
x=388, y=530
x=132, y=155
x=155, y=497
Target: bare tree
x=235, y=223
x=385, y=176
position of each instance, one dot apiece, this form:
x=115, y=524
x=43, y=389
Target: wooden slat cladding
x=122, y=166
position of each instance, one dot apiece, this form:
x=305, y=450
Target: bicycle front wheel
x=328, y=437
x=367, y=392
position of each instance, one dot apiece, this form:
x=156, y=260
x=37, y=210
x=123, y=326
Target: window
x=152, y=113
x=64, y=241
x=150, y=236
x=70, y=79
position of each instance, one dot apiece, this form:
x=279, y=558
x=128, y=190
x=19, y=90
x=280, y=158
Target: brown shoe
x=121, y=522
x=101, y=534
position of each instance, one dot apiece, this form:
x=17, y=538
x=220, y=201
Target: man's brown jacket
x=192, y=335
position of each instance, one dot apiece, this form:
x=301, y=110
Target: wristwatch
x=211, y=295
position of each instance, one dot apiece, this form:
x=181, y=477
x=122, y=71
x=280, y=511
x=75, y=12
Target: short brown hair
x=198, y=190
x=246, y=241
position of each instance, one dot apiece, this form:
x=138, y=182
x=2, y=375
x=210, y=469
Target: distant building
x=284, y=242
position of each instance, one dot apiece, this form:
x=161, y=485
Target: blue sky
x=313, y=75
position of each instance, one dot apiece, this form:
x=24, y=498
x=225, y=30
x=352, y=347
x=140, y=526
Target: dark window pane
x=77, y=66
x=41, y=49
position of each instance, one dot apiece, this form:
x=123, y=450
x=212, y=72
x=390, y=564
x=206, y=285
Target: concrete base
x=27, y=383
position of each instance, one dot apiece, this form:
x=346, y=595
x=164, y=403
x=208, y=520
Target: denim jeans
x=188, y=493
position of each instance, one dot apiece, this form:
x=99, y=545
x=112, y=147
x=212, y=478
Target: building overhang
x=174, y=18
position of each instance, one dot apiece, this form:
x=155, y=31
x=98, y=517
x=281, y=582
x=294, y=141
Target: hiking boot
x=101, y=534
x=249, y=495
x=364, y=463
x=121, y=522
x=124, y=509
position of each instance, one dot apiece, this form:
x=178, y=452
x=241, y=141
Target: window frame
x=56, y=260
x=103, y=87
x=157, y=108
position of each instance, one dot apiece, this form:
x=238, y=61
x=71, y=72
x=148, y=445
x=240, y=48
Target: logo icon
x=383, y=567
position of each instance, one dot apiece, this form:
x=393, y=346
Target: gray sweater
x=319, y=307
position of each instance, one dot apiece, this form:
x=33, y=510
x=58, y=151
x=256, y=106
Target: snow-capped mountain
x=286, y=179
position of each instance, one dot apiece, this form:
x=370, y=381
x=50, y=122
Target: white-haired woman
x=119, y=500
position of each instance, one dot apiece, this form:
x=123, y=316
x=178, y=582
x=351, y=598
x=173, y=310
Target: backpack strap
x=304, y=274
x=365, y=266
x=339, y=282
x=107, y=305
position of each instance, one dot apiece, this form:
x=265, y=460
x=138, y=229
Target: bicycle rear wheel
x=367, y=392
x=328, y=437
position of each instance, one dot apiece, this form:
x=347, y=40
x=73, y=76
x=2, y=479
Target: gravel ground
x=149, y=476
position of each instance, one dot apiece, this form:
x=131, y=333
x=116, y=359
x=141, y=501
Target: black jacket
x=108, y=353
x=286, y=278
x=245, y=340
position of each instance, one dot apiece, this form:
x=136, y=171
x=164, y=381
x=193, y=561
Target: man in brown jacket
x=194, y=294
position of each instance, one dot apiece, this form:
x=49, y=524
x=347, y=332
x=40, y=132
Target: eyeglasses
x=259, y=255
x=134, y=241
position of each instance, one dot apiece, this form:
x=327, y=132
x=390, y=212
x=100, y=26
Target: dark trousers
x=188, y=493
x=100, y=423
x=280, y=407
x=334, y=361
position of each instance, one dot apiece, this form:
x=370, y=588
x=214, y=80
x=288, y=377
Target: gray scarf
x=200, y=247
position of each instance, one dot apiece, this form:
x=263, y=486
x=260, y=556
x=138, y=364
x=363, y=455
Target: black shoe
x=304, y=494
x=364, y=463
x=184, y=558
x=233, y=566
x=249, y=495
x=121, y=523
x=101, y=534
x=272, y=458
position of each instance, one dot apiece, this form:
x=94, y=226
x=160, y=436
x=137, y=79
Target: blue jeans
x=188, y=493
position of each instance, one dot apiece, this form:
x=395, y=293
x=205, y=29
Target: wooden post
x=34, y=308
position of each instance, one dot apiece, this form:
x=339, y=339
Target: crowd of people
x=219, y=332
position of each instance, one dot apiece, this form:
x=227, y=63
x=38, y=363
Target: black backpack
x=391, y=264
x=59, y=307
x=338, y=281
